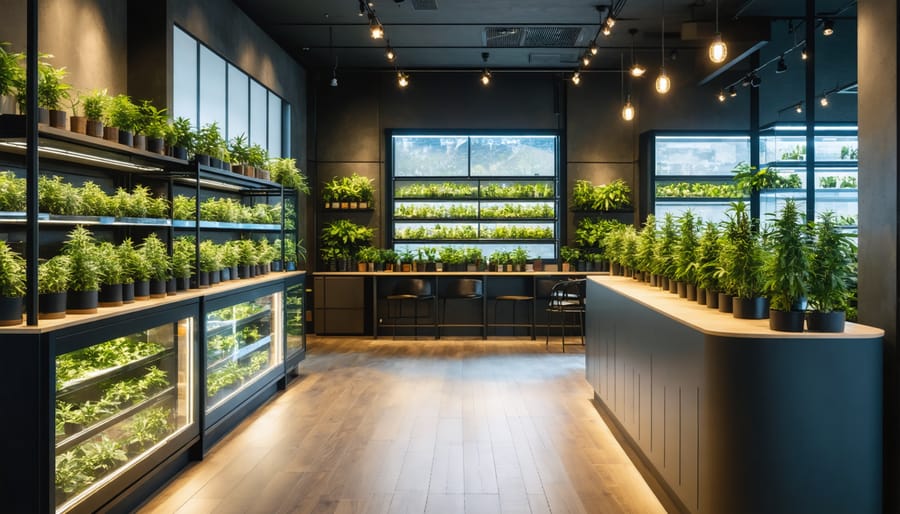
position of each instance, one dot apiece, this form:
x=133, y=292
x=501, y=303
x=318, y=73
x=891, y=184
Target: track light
x=755, y=81
x=803, y=54
x=781, y=67
x=389, y=53
x=593, y=48
x=402, y=79
x=375, y=28
x=586, y=58
x=828, y=28
x=576, y=78
x=628, y=110
x=732, y=92
x=362, y=8
x=745, y=82
x=606, y=30
x=718, y=51
x=798, y=109
x=824, y=101
x=721, y=96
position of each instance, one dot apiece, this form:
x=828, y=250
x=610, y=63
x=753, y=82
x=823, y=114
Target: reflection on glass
x=423, y=156
x=259, y=108
x=212, y=88
x=514, y=156
x=274, y=144
x=184, y=74
x=685, y=155
x=294, y=318
x=238, y=103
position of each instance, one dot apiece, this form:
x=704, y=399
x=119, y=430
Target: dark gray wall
x=878, y=145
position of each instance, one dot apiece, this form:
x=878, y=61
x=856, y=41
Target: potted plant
x=154, y=252
x=209, y=264
x=247, y=258
x=52, y=90
x=94, y=105
x=497, y=260
x=12, y=286
x=153, y=125
x=742, y=258
x=645, y=247
x=346, y=235
x=11, y=76
x=285, y=172
x=77, y=122
x=12, y=192
x=112, y=275
x=568, y=255
x=389, y=258
x=209, y=145
x=664, y=253
x=686, y=255
x=257, y=157
x=239, y=150
x=832, y=271
x=518, y=257
x=406, y=260
x=612, y=248
x=707, y=265
x=363, y=190
x=137, y=273
x=84, y=280
x=629, y=252
x=180, y=138
x=55, y=196
x=787, y=269
x=121, y=120
x=366, y=258
x=53, y=280
x=183, y=258
x=474, y=259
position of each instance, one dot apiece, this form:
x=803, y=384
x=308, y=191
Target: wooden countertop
x=715, y=323
x=457, y=273
x=49, y=325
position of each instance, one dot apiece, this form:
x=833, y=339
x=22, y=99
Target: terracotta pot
x=111, y=134
x=8, y=104
x=78, y=124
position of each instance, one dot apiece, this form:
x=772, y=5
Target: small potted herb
x=137, y=273
x=664, y=253
x=239, y=150
x=53, y=280
x=209, y=264
x=94, y=106
x=257, y=157
x=180, y=138
x=183, y=257
x=112, y=275
x=84, y=283
x=568, y=255
x=787, y=269
x=389, y=258
x=153, y=124
x=12, y=286
x=153, y=251
x=833, y=258
x=229, y=255
x=52, y=90
x=121, y=120
x=248, y=258
x=518, y=257
x=645, y=246
x=474, y=259
x=366, y=258
x=77, y=122
x=208, y=145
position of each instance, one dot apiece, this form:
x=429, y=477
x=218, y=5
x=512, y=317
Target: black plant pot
x=94, y=128
x=244, y=271
x=712, y=299
x=140, y=141
x=681, y=287
x=225, y=274
x=126, y=138
x=156, y=145
x=142, y=290
x=826, y=321
x=110, y=295
x=157, y=288
x=203, y=279
x=276, y=265
x=202, y=159
x=234, y=272
x=81, y=302
x=171, y=287
x=662, y=282
x=214, y=277
x=182, y=283
x=128, y=292
x=725, y=303
x=292, y=266
x=701, y=296
x=180, y=152
x=750, y=308
x=52, y=305
x=691, y=292
x=215, y=163
x=11, y=310
x=786, y=321
x=654, y=280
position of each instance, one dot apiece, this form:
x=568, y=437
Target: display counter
x=729, y=416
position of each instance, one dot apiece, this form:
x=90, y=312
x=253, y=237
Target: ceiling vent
x=424, y=5
x=531, y=37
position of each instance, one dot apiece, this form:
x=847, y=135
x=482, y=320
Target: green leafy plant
x=646, y=244
x=346, y=234
x=57, y=196
x=787, y=266
x=239, y=149
x=797, y=153
x=828, y=182
x=615, y=195
x=12, y=272
x=53, y=275
x=686, y=253
x=666, y=246
x=832, y=266
x=257, y=156
x=368, y=254
x=136, y=269
x=708, y=258
x=81, y=249
x=122, y=113
x=94, y=104
x=848, y=182
x=569, y=254
x=152, y=121
x=95, y=201
x=12, y=75
x=181, y=134
x=111, y=269
x=285, y=172
x=184, y=207
x=209, y=141
x=12, y=192
x=741, y=255
x=209, y=256
x=183, y=256
x=153, y=251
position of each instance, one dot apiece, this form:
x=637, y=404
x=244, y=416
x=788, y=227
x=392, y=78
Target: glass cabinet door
x=116, y=402
x=243, y=342
x=294, y=317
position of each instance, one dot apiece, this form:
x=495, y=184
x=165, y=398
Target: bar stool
x=566, y=298
x=413, y=290
x=462, y=289
x=515, y=300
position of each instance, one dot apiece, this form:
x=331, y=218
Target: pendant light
x=402, y=79
x=718, y=51
x=627, y=109
x=389, y=53
x=334, y=80
x=576, y=78
x=586, y=58
x=485, y=72
x=828, y=27
x=636, y=69
x=593, y=48
x=606, y=30
x=721, y=96
x=663, y=83
x=376, y=30
x=824, y=101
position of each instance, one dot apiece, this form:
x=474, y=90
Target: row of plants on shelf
x=353, y=192
x=795, y=268
x=849, y=152
x=341, y=240
x=457, y=211
x=436, y=190
x=234, y=373
x=516, y=232
x=516, y=190
x=226, y=210
x=83, y=465
x=797, y=153
x=751, y=179
x=698, y=190
x=447, y=258
x=605, y=197
x=511, y=211
x=843, y=182
x=236, y=312
x=438, y=231
x=93, y=360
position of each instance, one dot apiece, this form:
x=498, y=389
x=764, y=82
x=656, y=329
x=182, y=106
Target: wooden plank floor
x=403, y=426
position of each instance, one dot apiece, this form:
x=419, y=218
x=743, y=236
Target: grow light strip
x=81, y=157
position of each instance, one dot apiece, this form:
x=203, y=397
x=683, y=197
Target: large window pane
x=184, y=76
x=274, y=125
x=212, y=88
x=514, y=156
x=259, y=108
x=431, y=156
x=238, y=102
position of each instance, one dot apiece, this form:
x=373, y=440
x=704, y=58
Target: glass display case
x=835, y=170
x=244, y=341
x=117, y=402
x=294, y=322
x=491, y=192
x=692, y=171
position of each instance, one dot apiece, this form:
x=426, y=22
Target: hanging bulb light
x=586, y=58
x=803, y=54
x=718, y=51
x=828, y=27
x=628, y=110
x=389, y=53
x=485, y=73
x=402, y=79
x=721, y=96
x=606, y=30
x=636, y=69
x=375, y=27
x=798, y=109
x=781, y=67
x=824, y=101
x=610, y=21
x=362, y=8
x=576, y=78
x=663, y=84
x=732, y=91
x=334, y=80
x=593, y=48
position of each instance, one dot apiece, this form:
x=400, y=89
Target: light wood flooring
x=404, y=426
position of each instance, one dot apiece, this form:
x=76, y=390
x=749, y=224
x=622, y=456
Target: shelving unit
x=493, y=192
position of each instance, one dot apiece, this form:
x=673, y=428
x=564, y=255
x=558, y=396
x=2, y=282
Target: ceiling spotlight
x=610, y=21
x=389, y=53
x=362, y=8
x=798, y=109
x=375, y=27
x=606, y=30
x=732, y=92
x=402, y=79
x=628, y=110
x=586, y=58
x=755, y=81
x=718, y=51
x=334, y=82
x=721, y=96
x=828, y=28
x=593, y=48
x=824, y=101
x=486, y=77
x=745, y=81
x=576, y=78
x=781, y=67
x=803, y=54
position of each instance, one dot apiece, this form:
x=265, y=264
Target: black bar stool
x=463, y=289
x=566, y=299
x=515, y=300
x=413, y=290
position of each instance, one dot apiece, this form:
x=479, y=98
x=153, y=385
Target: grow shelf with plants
x=692, y=170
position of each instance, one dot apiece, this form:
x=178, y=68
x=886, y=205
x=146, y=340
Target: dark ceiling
x=518, y=35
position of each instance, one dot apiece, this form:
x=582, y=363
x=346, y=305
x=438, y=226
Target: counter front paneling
x=730, y=416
